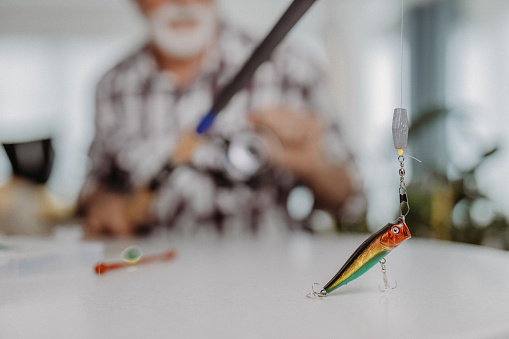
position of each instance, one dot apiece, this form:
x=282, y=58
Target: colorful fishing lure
x=371, y=251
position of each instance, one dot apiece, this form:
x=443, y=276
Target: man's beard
x=196, y=27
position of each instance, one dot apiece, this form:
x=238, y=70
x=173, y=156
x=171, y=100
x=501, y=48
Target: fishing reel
x=245, y=157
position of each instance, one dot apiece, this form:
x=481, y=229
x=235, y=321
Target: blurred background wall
x=454, y=83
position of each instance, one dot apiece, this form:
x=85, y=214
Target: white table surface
x=252, y=288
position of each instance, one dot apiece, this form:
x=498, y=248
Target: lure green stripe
x=358, y=268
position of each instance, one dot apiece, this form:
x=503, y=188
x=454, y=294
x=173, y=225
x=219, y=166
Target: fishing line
x=414, y=158
x=401, y=56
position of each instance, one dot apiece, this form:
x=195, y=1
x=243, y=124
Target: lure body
x=371, y=251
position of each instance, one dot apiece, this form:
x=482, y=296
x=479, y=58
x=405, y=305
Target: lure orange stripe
x=371, y=251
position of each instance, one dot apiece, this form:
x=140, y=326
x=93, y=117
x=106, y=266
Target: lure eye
x=395, y=230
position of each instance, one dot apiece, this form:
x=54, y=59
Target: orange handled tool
x=103, y=267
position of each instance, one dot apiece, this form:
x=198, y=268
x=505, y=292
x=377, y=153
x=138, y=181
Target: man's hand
x=186, y=145
x=298, y=146
x=107, y=213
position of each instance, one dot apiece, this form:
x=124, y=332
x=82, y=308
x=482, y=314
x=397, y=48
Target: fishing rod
x=291, y=16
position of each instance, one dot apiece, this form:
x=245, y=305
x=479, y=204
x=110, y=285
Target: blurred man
x=153, y=100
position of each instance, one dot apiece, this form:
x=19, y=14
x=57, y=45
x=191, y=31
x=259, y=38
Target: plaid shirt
x=140, y=113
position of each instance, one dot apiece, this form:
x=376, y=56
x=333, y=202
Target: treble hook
x=316, y=294
x=386, y=282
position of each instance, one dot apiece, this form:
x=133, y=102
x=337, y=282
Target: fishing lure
x=371, y=251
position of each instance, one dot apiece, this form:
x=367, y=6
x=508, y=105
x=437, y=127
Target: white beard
x=186, y=42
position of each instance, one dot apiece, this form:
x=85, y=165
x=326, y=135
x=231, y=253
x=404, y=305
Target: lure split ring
x=316, y=294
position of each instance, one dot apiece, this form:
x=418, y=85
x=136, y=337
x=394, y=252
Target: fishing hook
x=386, y=282
x=316, y=294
